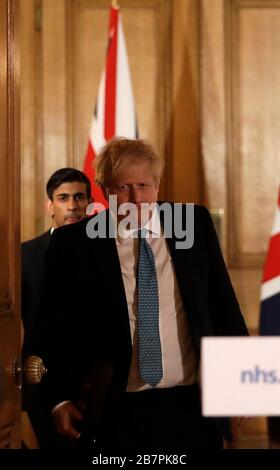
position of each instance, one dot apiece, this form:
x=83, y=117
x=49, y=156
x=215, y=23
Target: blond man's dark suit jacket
x=85, y=309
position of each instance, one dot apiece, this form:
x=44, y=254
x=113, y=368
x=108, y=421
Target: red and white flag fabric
x=114, y=113
x=270, y=292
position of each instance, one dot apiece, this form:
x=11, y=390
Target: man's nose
x=134, y=195
x=72, y=204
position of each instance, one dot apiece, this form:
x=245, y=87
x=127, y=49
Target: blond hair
x=121, y=151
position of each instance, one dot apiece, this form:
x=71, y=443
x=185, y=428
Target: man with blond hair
x=131, y=351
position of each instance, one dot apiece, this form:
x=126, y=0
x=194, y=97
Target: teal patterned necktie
x=149, y=347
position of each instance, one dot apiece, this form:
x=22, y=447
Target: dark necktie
x=149, y=347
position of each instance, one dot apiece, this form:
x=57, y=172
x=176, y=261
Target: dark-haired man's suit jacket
x=85, y=308
x=33, y=254
x=32, y=257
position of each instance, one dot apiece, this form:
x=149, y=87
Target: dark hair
x=67, y=175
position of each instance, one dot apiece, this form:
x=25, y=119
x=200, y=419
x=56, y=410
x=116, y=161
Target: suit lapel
x=46, y=237
x=187, y=267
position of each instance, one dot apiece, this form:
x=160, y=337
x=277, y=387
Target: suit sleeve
x=225, y=311
x=53, y=338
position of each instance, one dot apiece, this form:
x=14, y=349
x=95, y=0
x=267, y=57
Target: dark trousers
x=157, y=419
x=40, y=417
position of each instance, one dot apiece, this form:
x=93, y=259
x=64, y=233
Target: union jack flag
x=270, y=292
x=114, y=113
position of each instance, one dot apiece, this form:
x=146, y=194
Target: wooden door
x=9, y=226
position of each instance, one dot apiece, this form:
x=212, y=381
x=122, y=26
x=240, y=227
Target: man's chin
x=71, y=220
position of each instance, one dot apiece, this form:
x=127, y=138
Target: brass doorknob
x=34, y=370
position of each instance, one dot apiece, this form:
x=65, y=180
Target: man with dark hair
x=67, y=175
x=69, y=193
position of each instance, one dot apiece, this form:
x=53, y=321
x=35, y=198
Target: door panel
x=9, y=225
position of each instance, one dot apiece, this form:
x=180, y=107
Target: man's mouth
x=72, y=219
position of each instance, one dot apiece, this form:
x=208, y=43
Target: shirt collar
x=153, y=227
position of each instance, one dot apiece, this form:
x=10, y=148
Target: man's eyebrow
x=71, y=194
x=63, y=194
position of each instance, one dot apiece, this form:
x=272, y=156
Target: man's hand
x=64, y=418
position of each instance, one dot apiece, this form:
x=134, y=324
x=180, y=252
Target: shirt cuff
x=59, y=405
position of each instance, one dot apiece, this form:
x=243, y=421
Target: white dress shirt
x=178, y=358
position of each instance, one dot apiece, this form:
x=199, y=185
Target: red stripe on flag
x=111, y=74
x=88, y=169
x=272, y=264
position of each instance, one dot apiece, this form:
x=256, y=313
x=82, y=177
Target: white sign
x=240, y=376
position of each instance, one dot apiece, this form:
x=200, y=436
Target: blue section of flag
x=270, y=316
